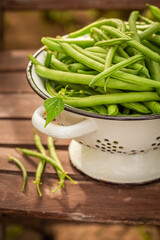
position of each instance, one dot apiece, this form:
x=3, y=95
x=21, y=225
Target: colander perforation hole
x=158, y=138
x=142, y=150
x=158, y=144
x=114, y=146
x=108, y=144
x=97, y=146
x=115, y=142
x=155, y=148
x=103, y=148
x=120, y=147
x=153, y=144
x=98, y=141
x=106, y=140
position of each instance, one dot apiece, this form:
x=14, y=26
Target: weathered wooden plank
x=76, y=4
x=14, y=82
x=89, y=201
x=19, y=105
x=30, y=163
x=1, y=26
x=15, y=60
x=19, y=133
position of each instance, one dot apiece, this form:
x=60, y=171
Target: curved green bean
x=111, y=42
x=136, y=106
x=114, y=98
x=42, y=162
x=80, y=42
x=114, y=68
x=112, y=22
x=141, y=48
x=154, y=27
x=153, y=106
x=85, y=79
x=113, y=109
x=20, y=165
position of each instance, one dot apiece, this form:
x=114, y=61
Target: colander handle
x=63, y=132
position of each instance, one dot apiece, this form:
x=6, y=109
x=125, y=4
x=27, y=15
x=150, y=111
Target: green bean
x=135, y=66
x=34, y=60
x=155, y=39
x=112, y=22
x=97, y=50
x=100, y=109
x=113, y=109
x=88, y=54
x=95, y=37
x=74, y=67
x=139, y=107
x=154, y=69
x=135, y=79
x=141, y=48
x=62, y=56
x=52, y=45
x=87, y=72
x=80, y=42
x=111, y=42
x=114, y=68
x=46, y=158
x=53, y=155
x=146, y=20
x=85, y=79
x=108, y=63
x=126, y=111
x=42, y=162
x=155, y=11
x=68, y=61
x=122, y=53
x=132, y=25
x=151, y=46
x=48, y=59
x=114, y=98
x=99, y=32
x=131, y=71
x=55, y=63
x=131, y=51
x=100, y=55
x=154, y=27
x=81, y=57
x=153, y=105
x=20, y=165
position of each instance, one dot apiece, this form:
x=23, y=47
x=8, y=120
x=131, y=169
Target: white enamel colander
x=110, y=148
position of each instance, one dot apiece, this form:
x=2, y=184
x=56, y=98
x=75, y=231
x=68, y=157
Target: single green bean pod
x=153, y=106
x=20, y=165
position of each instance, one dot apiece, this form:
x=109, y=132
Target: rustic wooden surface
x=88, y=200
x=77, y=4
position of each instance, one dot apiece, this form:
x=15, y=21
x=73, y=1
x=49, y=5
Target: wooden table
x=88, y=200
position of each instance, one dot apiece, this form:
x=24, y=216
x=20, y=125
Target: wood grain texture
x=19, y=105
x=20, y=133
x=76, y=4
x=14, y=82
x=89, y=201
x=14, y=60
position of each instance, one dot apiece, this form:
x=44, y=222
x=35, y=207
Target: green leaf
x=54, y=106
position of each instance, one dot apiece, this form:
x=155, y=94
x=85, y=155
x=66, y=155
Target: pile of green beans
x=110, y=67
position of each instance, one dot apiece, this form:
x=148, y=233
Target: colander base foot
x=115, y=168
